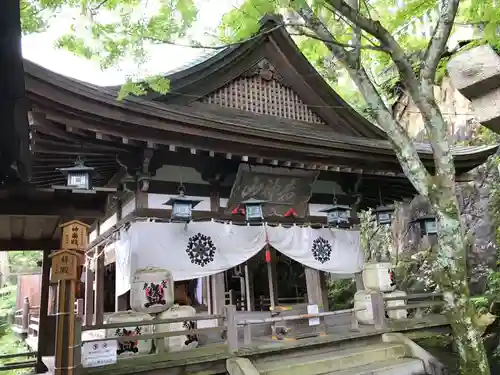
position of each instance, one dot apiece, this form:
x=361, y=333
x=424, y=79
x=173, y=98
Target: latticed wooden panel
x=263, y=94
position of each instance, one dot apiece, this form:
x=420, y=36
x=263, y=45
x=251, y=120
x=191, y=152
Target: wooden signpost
x=65, y=265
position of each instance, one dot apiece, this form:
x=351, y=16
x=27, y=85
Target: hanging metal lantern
x=182, y=206
x=79, y=176
x=338, y=215
x=428, y=225
x=383, y=214
x=253, y=209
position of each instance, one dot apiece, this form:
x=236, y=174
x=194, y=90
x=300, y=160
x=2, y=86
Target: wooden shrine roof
x=71, y=117
x=290, y=67
x=84, y=119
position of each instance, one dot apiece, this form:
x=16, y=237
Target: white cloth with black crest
x=198, y=249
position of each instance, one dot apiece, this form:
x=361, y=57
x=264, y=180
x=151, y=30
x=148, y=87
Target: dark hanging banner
x=282, y=191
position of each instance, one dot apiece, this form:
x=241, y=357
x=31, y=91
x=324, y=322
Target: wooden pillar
x=65, y=265
x=217, y=282
x=89, y=292
x=243, y=292
x=218, y=293
x=314, y=289
x=272, y=278
x=249, y=293
x=208, y=287
x=121, y=301
x=99, y=285
x=43, y=329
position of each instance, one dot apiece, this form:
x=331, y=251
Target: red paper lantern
x=238, y=211
x=268, y=256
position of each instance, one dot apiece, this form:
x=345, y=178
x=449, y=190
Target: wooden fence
x=229, y=326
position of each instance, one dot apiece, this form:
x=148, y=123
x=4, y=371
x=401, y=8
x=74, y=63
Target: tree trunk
x=451, y=276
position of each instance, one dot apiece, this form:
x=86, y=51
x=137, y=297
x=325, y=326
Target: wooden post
x=315, y=296
x=249, y=293
x=217, y=281
x=26, y=314
x=218, y=293
x=273, y=280
x=43, y=332
x=378, y=307
x=313, y=284
x=89, y=294
x=99, y=286
x=121, y=301
x=77, y=346
x=65, y=263
x=247, y=334
x=232, y=328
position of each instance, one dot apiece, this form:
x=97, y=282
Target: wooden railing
x=416, y=305
x=27, y=319
x=262, y=303
x=159, y=337
x=320, y=329
x=22, y=317
x=228, y=326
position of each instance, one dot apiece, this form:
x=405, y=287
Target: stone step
x=336, y=360
x=401, y=366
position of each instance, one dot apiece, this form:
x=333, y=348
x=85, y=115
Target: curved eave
x=275, y=44
x=232, y=131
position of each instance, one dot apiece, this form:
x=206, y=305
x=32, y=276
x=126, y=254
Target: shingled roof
x=80, y=118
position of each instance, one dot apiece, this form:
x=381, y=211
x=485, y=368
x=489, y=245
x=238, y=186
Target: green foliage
x=156, y=83
x=376, y=240
x=341, y=294
x=24, y=260
x=10, y=344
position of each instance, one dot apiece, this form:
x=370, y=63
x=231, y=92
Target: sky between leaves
x=132, y=38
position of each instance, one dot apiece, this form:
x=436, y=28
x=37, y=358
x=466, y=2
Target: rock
x=475, y=72
x=476, y=75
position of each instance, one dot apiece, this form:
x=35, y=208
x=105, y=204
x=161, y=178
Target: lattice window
x=261, y=92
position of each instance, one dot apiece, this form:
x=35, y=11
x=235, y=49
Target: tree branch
x=376, y=29
x=403, y=145
x=438, y=42
x=302, y=32
x=356, y=33
x=433, y=120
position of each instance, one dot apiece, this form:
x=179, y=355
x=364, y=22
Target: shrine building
x=252, y=121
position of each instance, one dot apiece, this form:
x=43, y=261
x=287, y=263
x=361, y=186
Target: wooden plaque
x=281, y=191
x=64, y=265
x=74, y=235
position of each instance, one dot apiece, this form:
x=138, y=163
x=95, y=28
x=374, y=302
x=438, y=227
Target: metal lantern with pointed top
x=428, y=225
x=182, y=206
x=338, y=215
x=79, y=176
x=383, y=214
x=253, y=209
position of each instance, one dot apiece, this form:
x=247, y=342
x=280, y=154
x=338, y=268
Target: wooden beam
x=23, y=244
x=370, y=193
x=51, y=208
